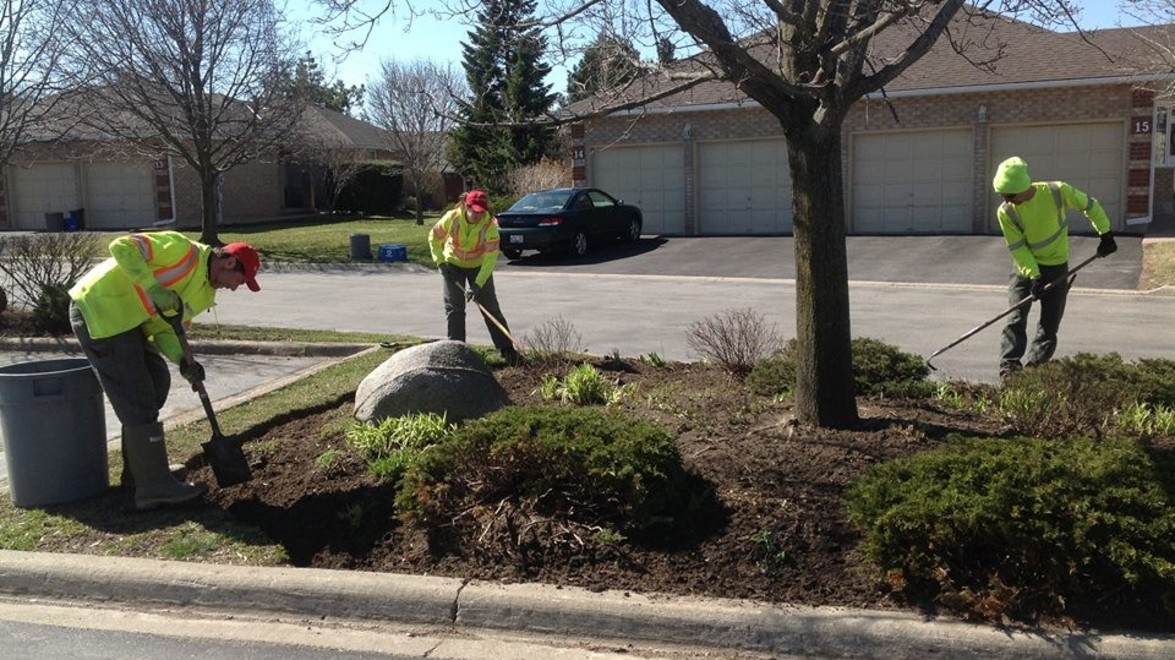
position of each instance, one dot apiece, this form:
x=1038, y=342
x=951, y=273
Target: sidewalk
x=537, y=608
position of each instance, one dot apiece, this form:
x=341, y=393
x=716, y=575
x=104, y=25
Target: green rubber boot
x=146, y=455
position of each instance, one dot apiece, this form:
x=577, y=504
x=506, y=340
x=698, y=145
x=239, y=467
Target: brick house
x=120, y=188
x=918, y=161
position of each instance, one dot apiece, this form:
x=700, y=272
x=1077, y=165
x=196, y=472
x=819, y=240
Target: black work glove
x=192, y=371
x=472, y=293
x=1038, y=288
x=1107, y=246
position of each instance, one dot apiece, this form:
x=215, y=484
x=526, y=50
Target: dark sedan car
x=566, y=219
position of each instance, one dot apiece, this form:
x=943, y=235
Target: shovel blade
x=228, y=462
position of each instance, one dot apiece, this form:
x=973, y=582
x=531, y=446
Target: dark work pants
x=133, y=374
x=456, y=279
x=1052, y=308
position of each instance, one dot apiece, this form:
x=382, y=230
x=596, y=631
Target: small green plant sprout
x=549, y=387
x=947, y=393
x=608, y=536
x=653, y=360
x=1144, y=419
x=583, y=385
x=767, y=548
x=353, y=515
x=328, y=459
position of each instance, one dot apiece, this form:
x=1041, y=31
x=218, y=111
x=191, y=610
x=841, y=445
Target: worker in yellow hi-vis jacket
x=1032, y=218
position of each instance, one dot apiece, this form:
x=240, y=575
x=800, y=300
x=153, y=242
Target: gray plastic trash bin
x=54, y=429
x=54, y=222
x=360, y=246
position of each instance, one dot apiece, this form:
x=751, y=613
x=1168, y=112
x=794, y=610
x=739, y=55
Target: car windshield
x=542, y=201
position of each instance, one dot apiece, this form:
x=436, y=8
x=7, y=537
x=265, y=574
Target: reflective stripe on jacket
x=1037, y=232
x=112, y=296
x=457, y=241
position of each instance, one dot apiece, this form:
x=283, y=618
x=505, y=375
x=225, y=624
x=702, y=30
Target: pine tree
x=608, y=62
x=505, y=72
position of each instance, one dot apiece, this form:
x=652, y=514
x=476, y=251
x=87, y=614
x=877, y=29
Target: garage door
x=912, y=182
x=40, y=189
x=1087, y=156
x=119, y=195
x=744, y=188
x=649, y=177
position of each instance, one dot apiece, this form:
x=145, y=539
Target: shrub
x=878, y=369
x=1020, y=527
x=375, y=188
x=735, y=339
x=554, y=340
x=539, y=176
x=588, y=467
x=51, y=313
x=396, y=443
x=33, y=264
x=1083, y=394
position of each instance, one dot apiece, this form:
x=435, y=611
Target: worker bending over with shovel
x=464, y=245
x=116, y=311
x=1032, y=218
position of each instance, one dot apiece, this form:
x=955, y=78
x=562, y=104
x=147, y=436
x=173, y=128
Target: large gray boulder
x=443, y=377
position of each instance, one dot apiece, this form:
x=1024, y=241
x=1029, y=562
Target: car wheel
x=512, y=254
x=579, y=244
x=634, y=231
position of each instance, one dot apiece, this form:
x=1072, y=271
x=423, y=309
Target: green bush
x=375, y=189
x=583, y=385
x=1020, y=527
x=1083, y=394
x=51, y=313
x=879, y=369
x=592, y=467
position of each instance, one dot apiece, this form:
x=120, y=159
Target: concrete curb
x=547, y=609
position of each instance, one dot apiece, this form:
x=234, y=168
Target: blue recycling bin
x=393, y=252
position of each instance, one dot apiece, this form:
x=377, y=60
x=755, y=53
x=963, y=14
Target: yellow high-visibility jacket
x=455, y=240
x=1037, y=232
x=113, y=295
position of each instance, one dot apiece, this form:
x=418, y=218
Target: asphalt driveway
x=962, y=260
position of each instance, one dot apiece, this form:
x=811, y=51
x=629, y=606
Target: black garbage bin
x=54, y=222
x=80, y=216
x=361, y=246
x=54, y=427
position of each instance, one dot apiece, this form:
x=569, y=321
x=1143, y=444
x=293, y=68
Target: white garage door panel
x=649, y=177
x=40, y=189
x=744, y=188
x=911, y=183
x=1087, y=156
x=120, y=195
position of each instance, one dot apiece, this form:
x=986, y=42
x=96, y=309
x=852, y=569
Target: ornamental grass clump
x=394, y=444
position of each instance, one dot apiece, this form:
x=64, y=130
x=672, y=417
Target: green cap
x=1011, y=178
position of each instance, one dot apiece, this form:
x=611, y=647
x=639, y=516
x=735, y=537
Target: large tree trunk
x=825, y=394
x=210, y=211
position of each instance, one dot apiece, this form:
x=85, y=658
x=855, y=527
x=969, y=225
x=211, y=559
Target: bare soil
x=776, y=530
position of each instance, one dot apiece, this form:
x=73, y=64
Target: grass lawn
x=1158, y=265
x=316, y=240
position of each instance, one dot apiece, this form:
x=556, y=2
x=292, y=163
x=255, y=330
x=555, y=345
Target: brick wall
x=250, y=192
x=1002, y=108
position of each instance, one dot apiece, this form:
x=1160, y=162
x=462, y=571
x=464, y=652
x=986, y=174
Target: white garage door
x=120, y=195
x=1090, y=157
x=40, y=189
x=912, y=182
x=744, y=188
x=649, y=177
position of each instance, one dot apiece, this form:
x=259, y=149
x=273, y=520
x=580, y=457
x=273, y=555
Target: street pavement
x=918, y=293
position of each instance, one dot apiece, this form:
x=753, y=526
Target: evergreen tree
x=504, y=69
x=308, y=81
x=609, y=62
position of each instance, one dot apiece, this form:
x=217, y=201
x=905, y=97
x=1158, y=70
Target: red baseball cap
x=249, y=260
x=477, y=200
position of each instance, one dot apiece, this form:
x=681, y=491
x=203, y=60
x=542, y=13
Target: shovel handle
x=177, y=324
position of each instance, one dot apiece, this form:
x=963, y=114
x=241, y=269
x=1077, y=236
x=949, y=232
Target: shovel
x=1070, y=276
x=225, y=456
